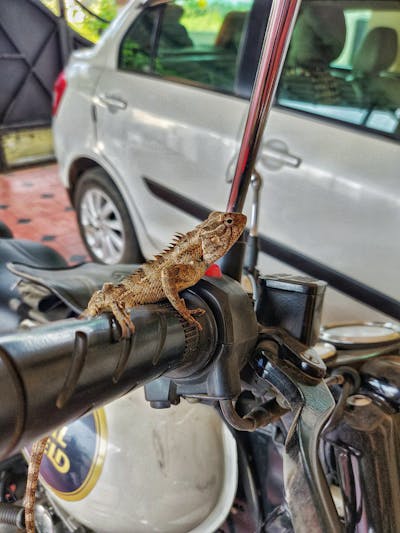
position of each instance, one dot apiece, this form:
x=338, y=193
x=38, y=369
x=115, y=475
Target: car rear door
x=172, y=111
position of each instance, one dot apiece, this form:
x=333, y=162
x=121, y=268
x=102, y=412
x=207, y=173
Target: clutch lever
x=311, y=403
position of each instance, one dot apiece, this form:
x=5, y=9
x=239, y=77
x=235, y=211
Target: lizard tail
x=32, y=482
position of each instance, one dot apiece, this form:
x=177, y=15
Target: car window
x=344, y=63
x=136, y=50
x=195, y=42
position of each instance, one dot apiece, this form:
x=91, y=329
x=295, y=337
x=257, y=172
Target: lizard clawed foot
x=193, y=321
x=124, y=320
x=197, y=312
x=127, y=328
x=187, y=314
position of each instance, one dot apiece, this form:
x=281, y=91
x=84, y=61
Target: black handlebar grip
x=53, y=374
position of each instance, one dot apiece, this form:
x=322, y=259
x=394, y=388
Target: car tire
x=104, y=221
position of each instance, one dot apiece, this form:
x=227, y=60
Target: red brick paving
x=35, y=206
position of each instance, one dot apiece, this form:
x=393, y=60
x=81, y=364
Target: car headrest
x=377, y=51
x=231, y=30
x=318, y=37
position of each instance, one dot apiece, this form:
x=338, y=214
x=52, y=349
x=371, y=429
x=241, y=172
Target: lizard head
x=219, y=232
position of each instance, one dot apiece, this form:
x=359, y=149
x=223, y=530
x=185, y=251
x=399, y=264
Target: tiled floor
x=35, y=206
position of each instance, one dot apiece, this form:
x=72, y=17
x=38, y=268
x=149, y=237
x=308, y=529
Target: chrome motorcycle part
x=325, y=350
x=358, y=400
x=360, y=335
x=12, y=515
x=252, y=239
x=276, y=41
x=256, y=184
x=381, y=377
x=46, y=520
x=358, y=357
x=250, y=272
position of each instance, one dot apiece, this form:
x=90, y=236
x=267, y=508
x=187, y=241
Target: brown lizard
x=177, y=268
x=180, y=266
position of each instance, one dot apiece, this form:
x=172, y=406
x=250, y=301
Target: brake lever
x=307, y=491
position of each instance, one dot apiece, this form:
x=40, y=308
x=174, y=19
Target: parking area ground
x=35, y=206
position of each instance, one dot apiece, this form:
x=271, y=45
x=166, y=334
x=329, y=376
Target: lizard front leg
x=32, y=482
x=177, y=277
x=124, y=320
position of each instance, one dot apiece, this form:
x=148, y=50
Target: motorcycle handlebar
x=53, y=374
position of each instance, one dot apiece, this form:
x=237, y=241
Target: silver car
x=147, y=125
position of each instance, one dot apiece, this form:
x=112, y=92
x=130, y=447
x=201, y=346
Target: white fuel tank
x=131, y=468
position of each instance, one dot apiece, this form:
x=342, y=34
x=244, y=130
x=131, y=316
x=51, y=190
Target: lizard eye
x=229, y=221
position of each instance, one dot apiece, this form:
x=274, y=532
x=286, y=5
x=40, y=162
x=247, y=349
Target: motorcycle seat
x=5, y=232
x=74, y=285
x=20, y=250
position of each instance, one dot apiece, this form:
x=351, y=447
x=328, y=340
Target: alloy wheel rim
x=102, y=226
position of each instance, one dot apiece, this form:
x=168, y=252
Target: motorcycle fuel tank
x=129, y=467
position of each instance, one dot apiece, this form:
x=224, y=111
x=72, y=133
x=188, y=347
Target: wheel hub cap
x=102, y=226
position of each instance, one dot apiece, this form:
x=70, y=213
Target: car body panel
x=160, y=142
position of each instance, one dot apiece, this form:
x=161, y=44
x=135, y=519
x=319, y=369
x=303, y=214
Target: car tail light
x=58, y=90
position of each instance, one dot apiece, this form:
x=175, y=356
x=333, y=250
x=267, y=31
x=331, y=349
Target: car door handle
x=113, y=102
x=275, y=155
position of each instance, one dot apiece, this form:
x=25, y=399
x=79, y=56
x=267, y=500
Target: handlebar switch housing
x=236, y=336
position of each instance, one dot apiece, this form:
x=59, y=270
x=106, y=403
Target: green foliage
x=107, y=10
x=207, y=15
x=53, y=5
x=84, y=23
x=133, y=57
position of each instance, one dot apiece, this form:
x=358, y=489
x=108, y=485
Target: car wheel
x=104, y=222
